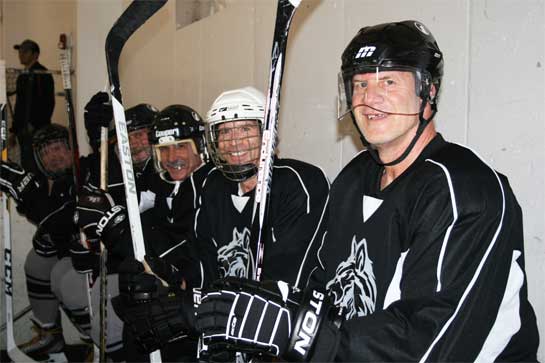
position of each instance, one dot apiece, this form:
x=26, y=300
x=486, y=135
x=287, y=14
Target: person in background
x=35, y=101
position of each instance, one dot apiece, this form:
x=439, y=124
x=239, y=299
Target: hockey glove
x=98, y=113
x=43, y=243
x=269, y=318
x=85, y=260
x=99, y=217
x=156, y=314
x=20, y=184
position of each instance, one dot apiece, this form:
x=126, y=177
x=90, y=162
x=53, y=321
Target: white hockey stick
x=13, y=350
x=132, y=18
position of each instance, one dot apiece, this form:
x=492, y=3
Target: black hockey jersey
x=168, y=210
x=90, y=169
x=431, y=268
x=52, y=211
x=224, y=221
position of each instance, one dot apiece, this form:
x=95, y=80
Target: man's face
x=179, y=159
x=56, y=157
x=27, y=57
x=140, y=147
x=239, y=142
x=382, y=94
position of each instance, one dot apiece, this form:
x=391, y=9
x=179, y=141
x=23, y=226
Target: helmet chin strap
x=421, y=126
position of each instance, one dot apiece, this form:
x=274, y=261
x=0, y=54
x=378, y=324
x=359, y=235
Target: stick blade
x=136, y=14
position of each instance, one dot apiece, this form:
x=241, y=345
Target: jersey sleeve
x=462, y=288
x=297, y=223
x=204, y=242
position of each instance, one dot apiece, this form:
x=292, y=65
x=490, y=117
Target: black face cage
x=37, y=157
x=236, y=173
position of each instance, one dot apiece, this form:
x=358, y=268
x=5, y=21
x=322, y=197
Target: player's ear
x=433, y=93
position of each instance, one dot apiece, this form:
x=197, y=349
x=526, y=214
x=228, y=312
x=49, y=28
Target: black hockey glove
x=268, y=318
x=17, y=182
x=85, y=260
x=98, y=113
x=99, y=217
x=43, y=244
x=156, y=314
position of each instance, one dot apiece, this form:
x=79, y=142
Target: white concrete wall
x=94, y=19
x=492, y=96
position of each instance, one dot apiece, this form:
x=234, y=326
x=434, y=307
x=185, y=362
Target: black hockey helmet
x=137, y=117
x=47, y=135
x=140, y=116
x=400, y=46
x=406, y=45
x=176, y=123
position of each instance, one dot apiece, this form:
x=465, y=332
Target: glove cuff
x=314, y=312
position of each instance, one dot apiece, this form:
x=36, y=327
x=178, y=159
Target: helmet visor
x=379, y=91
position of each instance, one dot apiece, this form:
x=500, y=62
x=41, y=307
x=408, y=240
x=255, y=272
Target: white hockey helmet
x=242, y=104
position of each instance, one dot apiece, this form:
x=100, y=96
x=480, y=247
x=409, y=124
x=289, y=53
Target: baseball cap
x=28, y=44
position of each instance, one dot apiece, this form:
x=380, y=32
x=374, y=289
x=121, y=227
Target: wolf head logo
x=235, y=257
x=354, y=286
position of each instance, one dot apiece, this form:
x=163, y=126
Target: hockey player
x=423, y=254
x=139, y=120
x=224, y=219
x=167, y=206
x=52, y=281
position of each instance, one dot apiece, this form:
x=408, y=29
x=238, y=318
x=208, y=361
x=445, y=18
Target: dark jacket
x=35, y=98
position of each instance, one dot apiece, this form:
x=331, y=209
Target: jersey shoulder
x=299, y=172
x=466, y=176
x=361, y=165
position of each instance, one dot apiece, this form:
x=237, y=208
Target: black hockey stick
x=65, y=61
x=132, y=18
x=284, y=15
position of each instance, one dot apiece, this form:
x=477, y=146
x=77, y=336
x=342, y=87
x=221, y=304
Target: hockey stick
x=132, y=18
x=284, y=15
x=17, y=316
x=103, y=251
x=13, y=350
x=65, y=60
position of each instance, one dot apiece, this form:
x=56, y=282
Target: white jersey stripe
x=300, y=181
x=449, y=229
x=508, y=320
x=311, y=243
x=172, y=248
x=477, y=272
